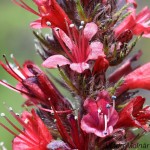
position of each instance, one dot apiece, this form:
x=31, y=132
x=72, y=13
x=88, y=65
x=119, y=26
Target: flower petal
x=55, y=60
x=140, y=78
x=79, y=67
x=63, y=36
x=36, y=24
x=90, y=30
x=96, y=50
x=128, y=23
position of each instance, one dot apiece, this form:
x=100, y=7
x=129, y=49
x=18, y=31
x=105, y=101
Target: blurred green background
x=16, y=37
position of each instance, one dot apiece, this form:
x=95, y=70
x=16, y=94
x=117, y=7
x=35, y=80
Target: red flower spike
x=138, y=24
x=100, y=119
x=80, y=51
x=134, y=115
x=50, y=13
x=38, y=132
x=139, y=78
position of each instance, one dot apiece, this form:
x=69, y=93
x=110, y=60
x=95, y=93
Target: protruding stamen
x=2, y=146
x=99, y=111
x=71, y=25
x=26, y=121
x=75, y=117
x=82, y=22
x=11, y=55
x=17, y=114
x=48, y=23
x=105, y=132
x=80, y=27
x=105, y=121
x=10, y=109
x=2, y=114
x=108, y=107
x=9, y=69
x=21, y=72
x=113, y=98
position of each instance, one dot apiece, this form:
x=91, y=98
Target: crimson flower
x=139, y=78
x=101, y=65
x=34, y=85
x=78, y=50
x=138, y=24
x=35, y=136
x=50, y=13
x=100, y=119
x=134, y=115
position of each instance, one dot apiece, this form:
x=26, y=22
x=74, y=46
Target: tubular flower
x=138, y=24
x=100, y=119
x=34, y=85
x=139, y=78
x=134, y=115
x=35, y=134
x=78, y=51
x=50, y=13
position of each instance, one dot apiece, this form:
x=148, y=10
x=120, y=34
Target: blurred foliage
x=16, y=37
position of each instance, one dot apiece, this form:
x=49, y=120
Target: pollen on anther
x=11, y=55
x=82, y=22
x=80, y=27
x=26, y=121
x=48, y=23
x=114, y=97
x=2, y=115
x=108, y=106
x=10, y=108
x=99, y=110
x=71, y=25
x=17, y=114
x=105, y=132
x=75, y=117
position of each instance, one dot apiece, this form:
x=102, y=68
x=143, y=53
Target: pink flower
x=134, y=115
x=50, y=13
x=139, y=78
x=138, y=24
x=77, y=49
x=100, y=119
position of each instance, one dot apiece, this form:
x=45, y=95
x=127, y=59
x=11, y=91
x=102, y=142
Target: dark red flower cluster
x=89, y=38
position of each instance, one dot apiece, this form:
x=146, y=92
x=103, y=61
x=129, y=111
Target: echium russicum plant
x=88, y=38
